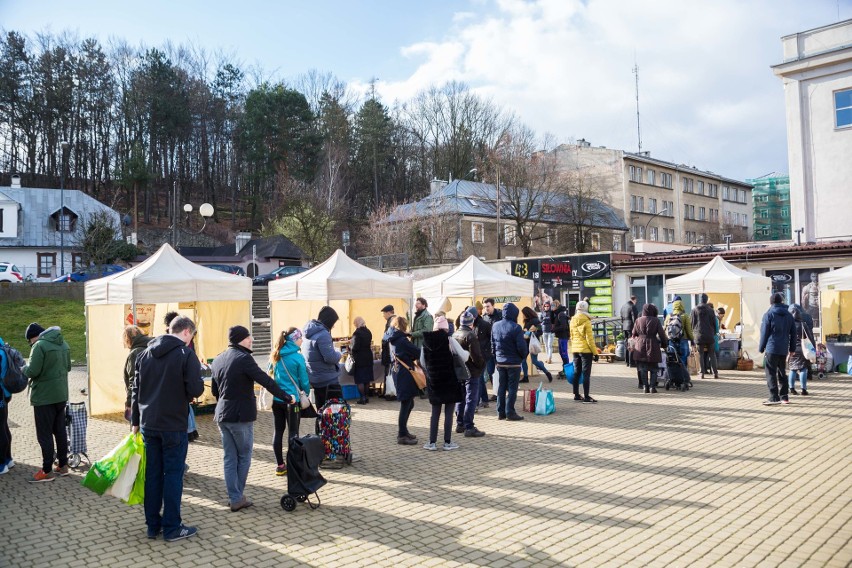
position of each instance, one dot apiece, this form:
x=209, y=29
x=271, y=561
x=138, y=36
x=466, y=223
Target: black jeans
x=647, y=373
x=582, y=364
x=708, y=359
x=775, y=368
x=405, y=408
x=5, y=434
x=50, y=426
x=283, y=416
x=448, y=422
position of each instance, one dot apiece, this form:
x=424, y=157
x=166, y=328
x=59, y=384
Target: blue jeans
x=483, y=388
x=563, y=352
x=539, y=364
x=683, y=350
x=507, y=391
x=466, y=408
x=547, y=341
x=490, y=365
x=803, y=378
x=165, y=460
x=237, y=441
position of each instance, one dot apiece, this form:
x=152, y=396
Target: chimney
x=582, y=143
x=16, y=182
x=241, y=239
x=436, y=185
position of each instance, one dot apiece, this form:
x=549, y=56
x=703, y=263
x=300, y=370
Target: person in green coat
x=47, y=369
x=422, y=322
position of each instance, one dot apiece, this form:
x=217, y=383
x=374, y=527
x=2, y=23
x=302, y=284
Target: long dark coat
x=648, y=336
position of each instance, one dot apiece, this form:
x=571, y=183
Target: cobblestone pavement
x=704, y=478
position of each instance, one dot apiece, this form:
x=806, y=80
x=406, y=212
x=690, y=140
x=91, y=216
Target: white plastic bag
x=390, y=386
x=535, y=345
x=124, y=484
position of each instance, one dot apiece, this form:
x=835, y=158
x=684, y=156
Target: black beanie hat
x=33, y=330
x=777, y=298
x=328, y=317
x=237, y=334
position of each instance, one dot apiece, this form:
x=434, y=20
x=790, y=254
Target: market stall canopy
x=744, y=295
x=339, y=278
x=835, y=302
x=167, y=277
x=473, y=278
x=840, y=279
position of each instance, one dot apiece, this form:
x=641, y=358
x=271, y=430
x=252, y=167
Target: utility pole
x=62, y=218
x=499, y=236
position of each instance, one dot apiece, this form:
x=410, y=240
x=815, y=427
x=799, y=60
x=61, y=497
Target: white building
x=817, y=76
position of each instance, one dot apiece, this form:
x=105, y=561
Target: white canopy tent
x=835, y=300
x=745, y=296
x=349, y=287
x=469, y=282
x=144, y=294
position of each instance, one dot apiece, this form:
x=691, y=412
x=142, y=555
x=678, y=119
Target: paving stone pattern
x=704, y=478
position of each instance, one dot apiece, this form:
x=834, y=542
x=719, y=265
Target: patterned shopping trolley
x=76, y=422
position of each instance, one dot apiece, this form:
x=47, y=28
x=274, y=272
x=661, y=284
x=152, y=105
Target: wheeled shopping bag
x=303, y=476
x=76, y=424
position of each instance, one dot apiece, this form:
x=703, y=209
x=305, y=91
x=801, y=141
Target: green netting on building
x=771, y=197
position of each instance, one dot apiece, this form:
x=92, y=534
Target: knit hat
x=441, y=323
x=237, y=334
x=328, y=317
x=466, y=318
x=34, y=330
x=583, y=307
x=777, y=298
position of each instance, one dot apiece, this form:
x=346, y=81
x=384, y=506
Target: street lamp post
x=663, y=210
x=499, y=236
x=63, y=146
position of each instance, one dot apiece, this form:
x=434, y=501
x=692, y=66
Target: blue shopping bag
x=570, y=375
x=544, y=402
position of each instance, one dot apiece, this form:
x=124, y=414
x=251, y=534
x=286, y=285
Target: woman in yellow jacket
x=585, y=351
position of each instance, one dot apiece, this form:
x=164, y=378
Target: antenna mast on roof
x=638, y=129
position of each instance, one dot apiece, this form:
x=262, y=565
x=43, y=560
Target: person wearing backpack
x=679, y=330
x=6, y=461
x=465, y=409
x=49, y=364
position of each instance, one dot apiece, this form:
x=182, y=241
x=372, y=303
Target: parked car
x=229, y=268
x=280, y=272
x=90, y=273
x=10, y=273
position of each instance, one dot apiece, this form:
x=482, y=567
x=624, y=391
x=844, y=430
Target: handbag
x=544, y=402
x=529, y=400
x=416, y=373
x=535, y=345
x=745, y=363
x=349, y=364
x=460, y=367
x=304, y=399
x=568, y=371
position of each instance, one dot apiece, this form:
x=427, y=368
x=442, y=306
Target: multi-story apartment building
x=771, y=197
x=817, y=76
x=663, y=201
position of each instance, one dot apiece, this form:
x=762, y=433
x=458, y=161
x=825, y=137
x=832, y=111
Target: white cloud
x=707, y=95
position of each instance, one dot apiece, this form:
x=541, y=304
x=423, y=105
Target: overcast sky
x=707, y=96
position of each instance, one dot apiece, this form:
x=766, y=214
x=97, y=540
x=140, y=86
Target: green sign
x=602, y=283
x=601, y=309
x=603, y=291
x=601, y=300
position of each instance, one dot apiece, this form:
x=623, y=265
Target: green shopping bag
x=105, y=471
x=137, y=494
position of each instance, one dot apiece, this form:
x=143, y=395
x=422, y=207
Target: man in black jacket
x=704, y=322
x=629, y=313
x=560, y=330
x=234, y=374
x=168, y=377
x=467, y=338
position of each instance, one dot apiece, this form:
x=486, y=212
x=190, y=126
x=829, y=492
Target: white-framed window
x=727, y=217
x=635, y=173
x=552, y=237
x=726, y=193
x=713, y=189
x=638, y=231
x=665, y=180
x=690, y=237
x=652, y=205
x=702, y=214
x=669, y=207
x=653, y=233
x=745, y=220
x=616, y=242
x=637, y=203
x=510, y=236
x=477, y=232
x=688, y=211
x=688, y=186
x=650, y=178
x=700, y=188
x=669, y=234
x=843, y=108
x=596, y=241
x=741, y=196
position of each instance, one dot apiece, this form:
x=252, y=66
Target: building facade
x=663, y=201
x=771, y=215
x=817, y=76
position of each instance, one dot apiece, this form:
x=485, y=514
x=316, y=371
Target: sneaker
x=154, y=533
x=589, y=400
x=192, y=436
x=4, y=470
x=411, y=436
x=484, y=405
x=654, y=390
x=524, y=380
x=361, y=401
x=61, y=471
x=514, y=418
x=430, y=447
x=474, y=433
x=450, y=446
x=459, y=428
x=804, y=393
x=771, y=402
x=40, y=476
x=243, y=503
x=492, y=398
x=281, y=470
x=785, y=401
x=647, y=390
x=578, y=398
x=182, y=533
x=501, y=417
x=793, y=391
x=405, y=441
x=10, y=464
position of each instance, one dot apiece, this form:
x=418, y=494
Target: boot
x=647, y=389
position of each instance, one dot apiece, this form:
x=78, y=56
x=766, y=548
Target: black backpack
x=13, y=379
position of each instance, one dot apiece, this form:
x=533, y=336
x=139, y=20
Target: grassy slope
x=67, y=314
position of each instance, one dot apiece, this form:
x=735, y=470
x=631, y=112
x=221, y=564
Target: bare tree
x=580, y=205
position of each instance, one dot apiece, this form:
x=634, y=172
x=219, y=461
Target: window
x=635, y=173
x=726, y=193
x=785, y=212
x=638, y=232
x=666, y=180
x=741, y=195
x=702, y=216
x=616, y=242
x=690, y=237
x=843, y=108
x=653, y=234
x=700, y=188
x=477, y=232
x=688, y=186
x=727, y=217
x=46, y=264
x=596, y=241
x=713, y=189
x=650, y=178
x=509, y=235
x=637, y=203
x=689, y=211
x=745, y=220
x=77, y=262
x=552, y=237
x=652, y=205
x=669, y=233
x=669, y=207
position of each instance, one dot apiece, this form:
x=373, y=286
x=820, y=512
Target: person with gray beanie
x=777, y=339
x=466, y=337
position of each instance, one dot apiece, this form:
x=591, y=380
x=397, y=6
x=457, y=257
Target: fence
x=16, y=292
x=386, y=261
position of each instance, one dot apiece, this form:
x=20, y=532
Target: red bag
x=529, y=400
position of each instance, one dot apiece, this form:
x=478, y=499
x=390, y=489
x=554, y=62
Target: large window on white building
x=843, y=108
